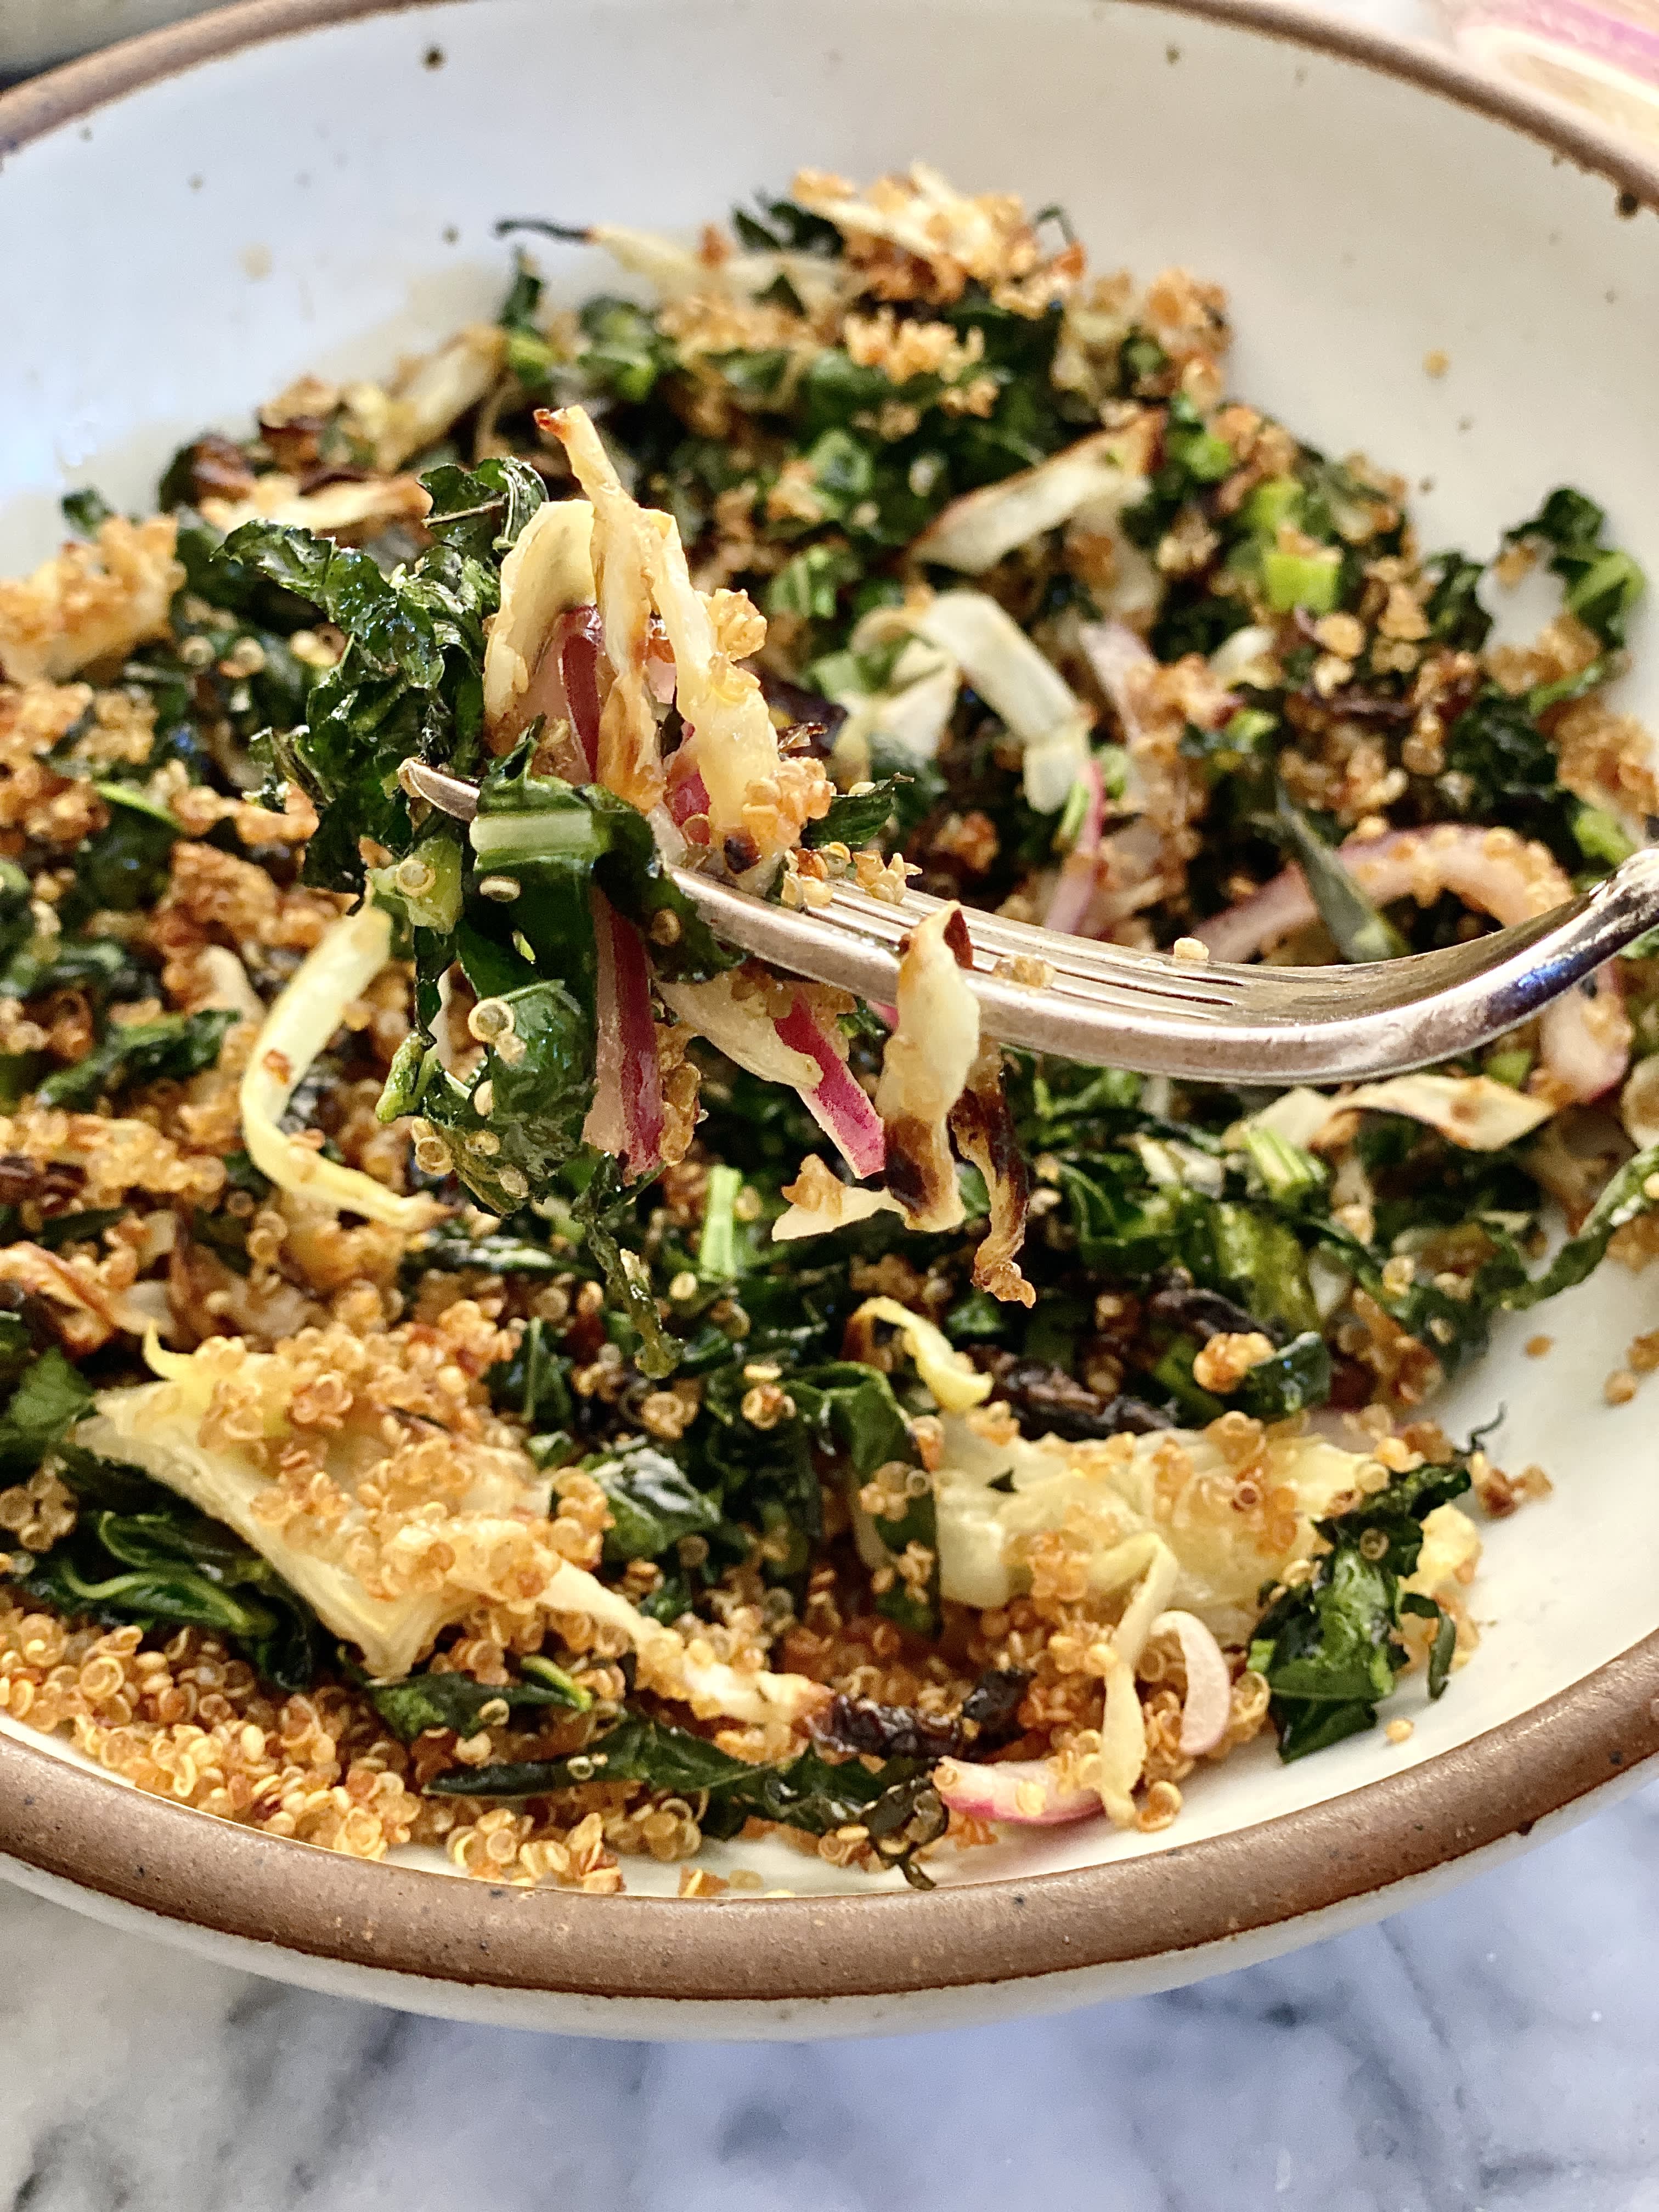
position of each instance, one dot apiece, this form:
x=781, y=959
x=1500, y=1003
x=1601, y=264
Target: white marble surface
x=1494, y=2051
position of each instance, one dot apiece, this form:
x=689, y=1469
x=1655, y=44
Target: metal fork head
x=1108, y=1006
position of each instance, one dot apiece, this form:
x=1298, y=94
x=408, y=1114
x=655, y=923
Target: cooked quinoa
x=486, y=1365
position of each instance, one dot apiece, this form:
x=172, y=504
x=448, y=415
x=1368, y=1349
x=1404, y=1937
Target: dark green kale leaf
x=1193, y=460
x=900, y=1812
x=1058, y=1106
x=625, y=354
x=811, y=582
x=1501, y=767
x=1129, y=1227
x=480, y=512
x=850, y=1409
x=915, y=786
x=101, y=967
x=654, y=1502
x=390, y=635
x=17, y=926
x=512, y=1249
x=174, y=1047
x=86, y=511
x=61, y=1229
x=847, y=1413
x=524, y=295
x=139, y=1552
x=124, y=865
x=534, y=1383
x=45, y=1404
x=763, y=1476
x=1292, y=1380
x=1329, y=1647
x=603, y=1209
x=1603, y=583
x=409, y=682
x=1456, y=615
x=669, y=1759
x=785, y=227
x=858, y=818
x=538, y=1097
x=424, y=1701
x=1626, y=1196
x=1358, y=930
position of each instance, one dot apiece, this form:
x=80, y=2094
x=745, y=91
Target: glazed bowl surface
x=188, y=221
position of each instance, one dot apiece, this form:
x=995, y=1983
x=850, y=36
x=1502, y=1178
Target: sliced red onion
x=1069, y=903
x=565, y=687
x=578, y=640
x=837, y=1103
x=626, y=1116
x=1209, y=1702
x=1023, y=1791
x=1115, y=652
x=1280, y=907
x=1584, y=1037
x=688, y=795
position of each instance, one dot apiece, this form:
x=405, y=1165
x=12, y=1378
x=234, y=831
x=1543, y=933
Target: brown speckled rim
x=83, y=1828
x=181, y=1866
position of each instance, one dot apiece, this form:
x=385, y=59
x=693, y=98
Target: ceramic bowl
x=187, y=222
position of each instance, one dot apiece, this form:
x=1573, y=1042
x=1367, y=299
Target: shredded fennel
x=297, y=1028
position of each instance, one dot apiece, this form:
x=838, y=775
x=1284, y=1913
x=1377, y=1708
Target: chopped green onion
x=1300, y=579
x=1271, y=503
x=717, y=1250
x=1511, y=1066
x=1599, y=838
x=1287, y=1170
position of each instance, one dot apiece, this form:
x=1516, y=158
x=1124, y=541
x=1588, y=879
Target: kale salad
x=482, y=1363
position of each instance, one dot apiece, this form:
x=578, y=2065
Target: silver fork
x=1108, y=1007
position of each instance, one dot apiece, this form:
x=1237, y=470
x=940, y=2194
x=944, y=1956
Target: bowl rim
x=69, y=1822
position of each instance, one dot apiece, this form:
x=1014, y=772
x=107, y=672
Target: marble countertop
x=1491, y=2051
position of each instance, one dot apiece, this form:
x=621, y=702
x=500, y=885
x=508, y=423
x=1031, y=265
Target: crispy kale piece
x=48, y=1397
x=896, y=1804
x=410, y=682
x=1358, y=930
x=1602, y=584
x=138, y=1552
x=1329, y=1647
x=173, y=1046
x=1626, y=1198
x=429, y=1700
x=654, y=1502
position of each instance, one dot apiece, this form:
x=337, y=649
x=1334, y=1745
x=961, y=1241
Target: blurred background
x=36, y=33
x=1600, y=57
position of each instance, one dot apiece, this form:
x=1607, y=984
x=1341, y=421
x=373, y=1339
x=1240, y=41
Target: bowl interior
x=326, y=202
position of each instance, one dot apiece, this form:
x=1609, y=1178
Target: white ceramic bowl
x=190, y=221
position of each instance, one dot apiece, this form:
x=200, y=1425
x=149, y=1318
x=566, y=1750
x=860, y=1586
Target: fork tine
x=1216, y=1022
x=1109, y=1005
